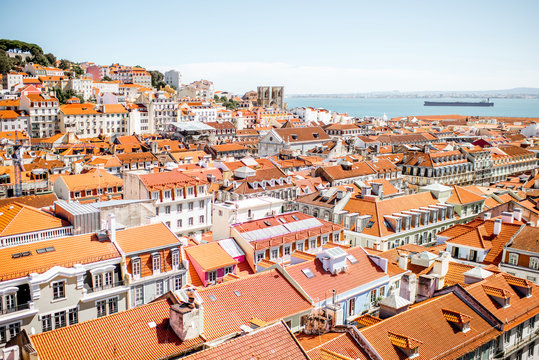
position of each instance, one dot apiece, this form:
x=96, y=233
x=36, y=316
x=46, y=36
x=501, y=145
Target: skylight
x=21, y=254
x=295, y=217
x=370, y=224
x=212, y=297
x=352, y=259
x=45, y=250
x=282, y=220
x=237, y=292
x=267, y=223
x=308, y=273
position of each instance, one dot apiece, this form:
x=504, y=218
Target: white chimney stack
x=111, y=228
x=507, y=217
x=517, y=214
x=497, y=226
x=486, y=216
x=403, y=261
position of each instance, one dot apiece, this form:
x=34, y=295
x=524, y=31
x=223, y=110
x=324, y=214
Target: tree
x=64, y=64
x=157, y=78
x=77, y=70
x=5, y=64
x=51, y=59
x=64, y=95
x=106, y=78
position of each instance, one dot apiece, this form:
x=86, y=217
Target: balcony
x=90, y=290
x=16, y=308
x=35, y=236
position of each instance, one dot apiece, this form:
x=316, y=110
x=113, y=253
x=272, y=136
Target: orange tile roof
x=229, y=311
x=342, y=344
x=145, y=237
x=124, y=335
x=425, y=324
x=455, y=316
x=271, y=342
x=318, y=287
x=17, y=218
x=367, y=320
x=210, y=256
x=520, y=308
x=462, y=196
x=169, y=180
x=90, y=180
x=79, y=249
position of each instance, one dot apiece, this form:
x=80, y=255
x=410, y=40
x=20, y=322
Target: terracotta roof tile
x=210, y=256
x=146, y=237
x=271, y=342
x=17, y=218
x=124, y=335
x=229, y=311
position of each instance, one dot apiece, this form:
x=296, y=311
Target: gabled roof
x=68, y=251
x=520, y=309
x=270, y=342
x=302, y=134
x=128, y=334
x=94, y=179
x=17, y=218
x=146, y=237
x=462, y=196
x=257, y=298
x=210, y=256
x=363, y=272
x=426, y=326
x=169, y=180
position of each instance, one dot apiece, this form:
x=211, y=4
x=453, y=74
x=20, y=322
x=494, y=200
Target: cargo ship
x=459, y=103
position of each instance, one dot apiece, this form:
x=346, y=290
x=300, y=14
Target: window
x=351, y=306
x=58, y=290
x=77, y=194
x=324, y=239
x=156, y=211
x=201, y=219
x=312, y=243
x=212, y=276
x=513, y=258
x=190, y=206
x=139, y=295
x=201, y=189
x=287, y=250
x=507, y=336
x=113, y=305
x=299, y=246
x=88, y=192
x=155, y=195
x=382, y=291
x=201, y=204
x=159, y=288
x=107, y=277
x=14, y=329
x=177, y=282
x=259, y=257
x=167, y=209
x=60, y=319
x=228, y=270
x=530, y=350
x=73, y=315
x=101, y=308
x=135, y=267
x=179, y=208
x=46, y=323
x=179, y=193
x=10, y=302
x=166, y=194
x=156, y=263
x=274, y=254
x=534, y=263
x=190, y=220
x=373, y=296
x=180, y=223
x=175, y=258
x=190, y=190
x=98, y=282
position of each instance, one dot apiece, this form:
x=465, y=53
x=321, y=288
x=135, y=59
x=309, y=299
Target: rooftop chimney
x=111, y=228
x=187, y=318
x=403, y=261
x=517, y=214
x=507, y=217
x=486, y=215
x=497, y=227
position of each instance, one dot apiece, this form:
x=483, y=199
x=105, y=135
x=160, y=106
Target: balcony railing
x=90, y=290
x=35, y=236
x=13, y=309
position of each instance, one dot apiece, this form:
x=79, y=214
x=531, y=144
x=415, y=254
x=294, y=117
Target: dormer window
x=135, y=267
x=190, y=191
x=166, y=194
x=156, y=263
x=179, y=193
x=406, y=344
x=155, y=195
x=461, y=321
x=501, y=296
x=175, y=254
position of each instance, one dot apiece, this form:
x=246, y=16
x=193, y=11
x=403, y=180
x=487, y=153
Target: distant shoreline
x=415, y=96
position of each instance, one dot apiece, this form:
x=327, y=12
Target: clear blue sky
x=308, y=46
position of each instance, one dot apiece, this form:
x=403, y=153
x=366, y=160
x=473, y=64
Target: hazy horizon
x=307, y=46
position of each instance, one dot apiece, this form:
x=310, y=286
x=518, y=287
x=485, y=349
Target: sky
x=307, y=46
